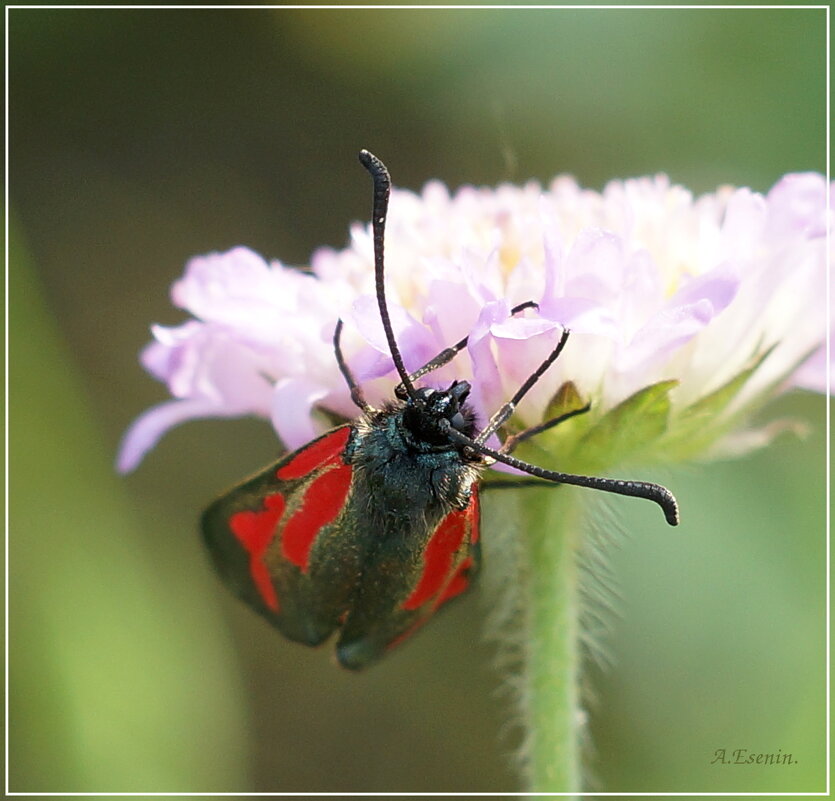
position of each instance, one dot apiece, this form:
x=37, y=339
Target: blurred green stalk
x=120, y=678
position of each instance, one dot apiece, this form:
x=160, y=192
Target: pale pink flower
x=653, y=283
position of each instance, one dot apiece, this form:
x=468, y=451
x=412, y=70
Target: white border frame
x=825, y=8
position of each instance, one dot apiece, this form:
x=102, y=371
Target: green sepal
x=628, y=431
x=567, y=399
x=701, y=423
x=558, y=441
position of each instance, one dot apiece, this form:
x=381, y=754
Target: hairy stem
x=551, y=700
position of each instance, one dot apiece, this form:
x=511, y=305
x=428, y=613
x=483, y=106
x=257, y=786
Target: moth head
x=424, y=412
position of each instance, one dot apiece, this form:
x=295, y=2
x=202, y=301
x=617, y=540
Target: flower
x=689, y=310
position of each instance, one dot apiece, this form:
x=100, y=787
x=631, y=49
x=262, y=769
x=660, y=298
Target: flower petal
x=812, y=373
x=488, y=393
x=144, y=433
x=293, y=401
x=797, y=204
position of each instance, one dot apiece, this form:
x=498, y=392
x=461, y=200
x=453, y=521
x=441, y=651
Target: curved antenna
x=636, y=489
x=382, y=188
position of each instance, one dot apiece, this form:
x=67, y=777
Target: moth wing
x=379, y=620
x=265, y=534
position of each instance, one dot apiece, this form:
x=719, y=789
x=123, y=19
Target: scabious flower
x=686, y=315
x=657, y=287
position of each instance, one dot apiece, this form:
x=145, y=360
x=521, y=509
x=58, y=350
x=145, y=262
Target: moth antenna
x=382, y=189
x=635, y=489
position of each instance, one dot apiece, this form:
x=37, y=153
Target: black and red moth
x=371, y=528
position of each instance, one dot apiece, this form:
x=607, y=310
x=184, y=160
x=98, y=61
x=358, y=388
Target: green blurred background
x=141, y=137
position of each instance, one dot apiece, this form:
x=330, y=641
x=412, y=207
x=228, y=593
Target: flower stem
x=551, y=696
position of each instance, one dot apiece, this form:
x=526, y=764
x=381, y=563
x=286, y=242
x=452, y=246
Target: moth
x=367, y=531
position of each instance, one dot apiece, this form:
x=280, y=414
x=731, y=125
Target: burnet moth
x=371, y=528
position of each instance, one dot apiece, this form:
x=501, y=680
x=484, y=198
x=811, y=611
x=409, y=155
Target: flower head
x=687, y=311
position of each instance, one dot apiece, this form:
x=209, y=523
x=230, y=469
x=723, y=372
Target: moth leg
x=448, y=354
x=505, y=411
x=356, y=391
x=509, y=445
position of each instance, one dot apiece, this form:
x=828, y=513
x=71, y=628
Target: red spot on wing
x=460, y=581
x=255, y=531
x=438, y=557
x=321, y=451
x=322, y=502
